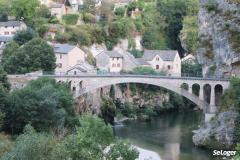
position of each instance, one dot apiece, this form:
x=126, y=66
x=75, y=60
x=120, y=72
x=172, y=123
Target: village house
x=82, y=67
x=10, y=28
x=53, y=29
x=58, y=10
x=121, y=3
x=109, y=61
x=162, y=60
x=67, y=56
x=4, y=40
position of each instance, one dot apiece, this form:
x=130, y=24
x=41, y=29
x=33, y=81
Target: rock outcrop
x=218, y=133
x=219, y=36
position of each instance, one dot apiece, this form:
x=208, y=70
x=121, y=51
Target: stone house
x=109, y=61
x=67, y=56
x=162, y=60
x=58, y=10
x=10, y=28
x=82, y=68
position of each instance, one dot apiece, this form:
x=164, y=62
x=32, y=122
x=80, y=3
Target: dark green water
x=170, y=135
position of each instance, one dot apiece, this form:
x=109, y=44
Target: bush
x=211, y=5
x=70, y=19
x=89, y=18
x=120, y=11
x=108, y=110
x=32, y=146
x=136, y=53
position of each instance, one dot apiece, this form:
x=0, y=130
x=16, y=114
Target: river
x=169, y=135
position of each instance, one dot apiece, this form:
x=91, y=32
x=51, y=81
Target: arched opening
x=74, y=89
x=185, y=86
x=218, y=93
x=101, y=92
x=81, y=84
x=196, y=89
x=207, y=93
x=69, y=84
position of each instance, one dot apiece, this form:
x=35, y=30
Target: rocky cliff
x=218, y=133
x=91, y=102
x=219, y=37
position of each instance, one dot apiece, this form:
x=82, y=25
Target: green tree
x=44, y=103
x=88, y=142
x=3, y=79
x=191, y=69
x=33, y=56
x=108, y=110
x=24, y=36
x=24, y=8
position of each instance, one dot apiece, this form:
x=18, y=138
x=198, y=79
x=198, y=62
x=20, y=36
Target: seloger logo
x=224, y=153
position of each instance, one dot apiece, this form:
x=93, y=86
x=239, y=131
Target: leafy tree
x=88, y=142
x=33, y=56
x=44, y=103
x=24, y=8
x=192, y=69
x=24, y=36
x=112, y=92
x=136, y=53
x=3, y=79
x=106, y=10
x=4, y=10
x=108, y=110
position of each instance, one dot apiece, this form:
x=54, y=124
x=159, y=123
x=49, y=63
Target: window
x=117, y=58
x=6, y=33
x=118, y=65
x=169, y=67
x=12, y=32
x=113, y=59
x=113, y=65
x=75, y=72
x=157, y=67
x=157, y=58
x=60, y=56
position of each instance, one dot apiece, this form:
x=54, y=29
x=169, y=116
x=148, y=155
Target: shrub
x=70, y=19
x=108, y=110
x=211, y=5
x=120, y=11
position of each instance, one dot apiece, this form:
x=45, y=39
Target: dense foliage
x=43, y=103
x=35, y=55
x=90, y=141
x=191, y=69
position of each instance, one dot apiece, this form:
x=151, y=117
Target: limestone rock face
x=219, y=36
x=218, y=133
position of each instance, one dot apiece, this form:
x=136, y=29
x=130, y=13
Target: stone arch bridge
x=206, y=88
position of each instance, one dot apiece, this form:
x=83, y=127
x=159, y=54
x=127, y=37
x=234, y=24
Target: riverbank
x=145, y=154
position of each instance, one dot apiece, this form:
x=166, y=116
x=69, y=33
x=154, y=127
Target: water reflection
x=170, y=135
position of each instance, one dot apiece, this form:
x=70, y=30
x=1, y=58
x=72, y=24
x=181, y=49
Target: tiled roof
x=166, y=55
x=6, y=38
x=63, y=48
x=112, y=54
x=142, y=61
x=11, y=23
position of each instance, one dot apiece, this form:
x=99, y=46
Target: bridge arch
x=93, y=85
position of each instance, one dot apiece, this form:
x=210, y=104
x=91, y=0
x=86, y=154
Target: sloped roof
x=6, y=38
x=166, y=55
x=111, y=54
x=142, y=61
x=11, y=23
x=83, y=67
x=63, y=48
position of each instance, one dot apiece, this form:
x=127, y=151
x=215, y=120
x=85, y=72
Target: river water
x=170, y=135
